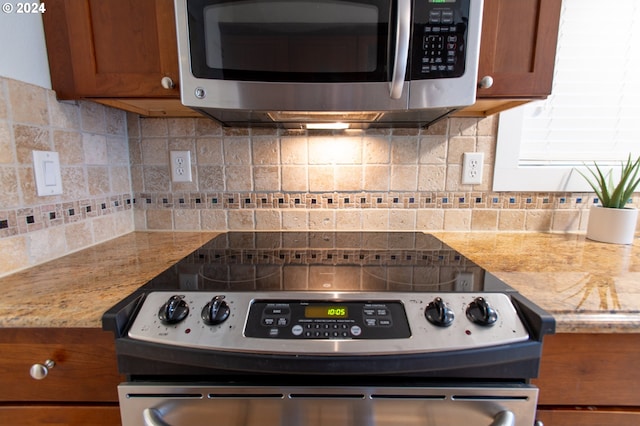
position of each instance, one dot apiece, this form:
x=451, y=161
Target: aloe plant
x=614, y=195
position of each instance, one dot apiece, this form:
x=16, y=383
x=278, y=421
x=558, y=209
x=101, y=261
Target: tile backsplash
x=116, y=178
x=267, y=179
x=92, y=143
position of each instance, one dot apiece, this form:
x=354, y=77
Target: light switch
x=46, y=166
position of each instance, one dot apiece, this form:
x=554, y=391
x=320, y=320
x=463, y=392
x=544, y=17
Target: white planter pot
x=608, y=225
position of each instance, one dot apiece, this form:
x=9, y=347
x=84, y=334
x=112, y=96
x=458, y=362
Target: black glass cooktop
x=326, y=261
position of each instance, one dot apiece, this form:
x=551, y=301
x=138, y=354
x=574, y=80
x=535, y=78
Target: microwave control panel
x=439, y=36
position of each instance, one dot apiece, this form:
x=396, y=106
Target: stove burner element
x=480, y=312
x=216, y=311
x=174, y=310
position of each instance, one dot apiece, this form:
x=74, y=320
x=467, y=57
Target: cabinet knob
x=485, y=82
x=167, y=83
x=40, y=371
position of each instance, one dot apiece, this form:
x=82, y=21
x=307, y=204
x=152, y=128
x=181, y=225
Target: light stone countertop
x=589, y=287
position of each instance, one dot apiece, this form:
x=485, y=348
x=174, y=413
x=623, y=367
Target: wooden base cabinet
x=80, y=389
x=589, y=380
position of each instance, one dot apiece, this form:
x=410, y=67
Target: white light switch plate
x=46, y=166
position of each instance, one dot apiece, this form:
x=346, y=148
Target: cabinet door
x=518, y=47
x=114, y=48
x=85, y=365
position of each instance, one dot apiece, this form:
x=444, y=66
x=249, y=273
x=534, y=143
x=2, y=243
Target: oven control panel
x=312, y=319
x=337, y=323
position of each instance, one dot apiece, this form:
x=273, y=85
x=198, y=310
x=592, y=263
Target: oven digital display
x=331, y=311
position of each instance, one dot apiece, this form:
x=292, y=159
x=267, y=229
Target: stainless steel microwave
x=328, y=63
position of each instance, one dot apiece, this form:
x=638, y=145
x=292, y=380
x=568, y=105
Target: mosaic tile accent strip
x=30, y=219
x=363, y=200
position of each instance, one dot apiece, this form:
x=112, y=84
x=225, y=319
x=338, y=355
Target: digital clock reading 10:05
x=325, y=311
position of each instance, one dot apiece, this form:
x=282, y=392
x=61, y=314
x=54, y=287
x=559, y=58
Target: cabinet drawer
x=46, y=415
x=85, y=365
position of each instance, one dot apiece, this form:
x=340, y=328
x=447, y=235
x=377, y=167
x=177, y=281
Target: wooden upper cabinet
x=112, y=49
x=518, y=47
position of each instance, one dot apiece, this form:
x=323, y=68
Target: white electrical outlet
x=180, y=166
x=472, y=168
x=464, y=281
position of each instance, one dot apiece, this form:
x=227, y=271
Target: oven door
x=231, y=405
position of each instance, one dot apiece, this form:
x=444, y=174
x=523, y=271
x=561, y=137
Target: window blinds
x=594, y=110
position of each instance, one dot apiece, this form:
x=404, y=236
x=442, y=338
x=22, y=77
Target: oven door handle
x=153, y=417
x=401, y=57
x=504, y=418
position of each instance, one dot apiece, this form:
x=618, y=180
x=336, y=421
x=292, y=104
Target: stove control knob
x=438, y=313
x=480, y=312
x=174, y=310
x=215, y=311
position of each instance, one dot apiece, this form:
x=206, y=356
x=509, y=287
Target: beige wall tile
x=348, y=178
x=154, y=127
x=4, y=100
x=28, y=103
x=511, y=220
x=348, y=220
x=9, y=191
x=98, y=180
x=376, y=178
x=566, y=220
x=7, y=154
x=484, y=220
x=78, y=235
x=120, y=179
x=294, y=178
x=69, y=144
x=103, y=228
x=321, y=178
x=181, y=126
x=156, y=178
x=210, y=178
x=29, y=138
x=268, y=220
x=431, y=178
x=265, y=150
x=159, y=219
x=213, y=220
x=266, y=178
x=293, y=220
x=404, y=178
x=183, y=144
x=209, y=151
x=458, y=146
x=294, y=149
x=375, y=219
x=376, y=150
x=237, y=151
x=238, y=178
x=402, y=219
x=186, y=219
x=95, y=149
x=433, y=149
x=14, y=254
x=430, y=219
x=538, y=220
x=155, y=151
x=74, y=182
x=92, y=117
x=404, y=150
x=240, y=219
x=457, y=220
x=46, y=244
x=117, y=150
x=323, y=219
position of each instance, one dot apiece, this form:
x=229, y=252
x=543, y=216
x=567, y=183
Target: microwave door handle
x=401, y=58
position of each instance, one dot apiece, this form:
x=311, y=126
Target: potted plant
x=613, y=221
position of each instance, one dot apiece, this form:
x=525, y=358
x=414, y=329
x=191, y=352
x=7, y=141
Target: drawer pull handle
x=40, y=371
